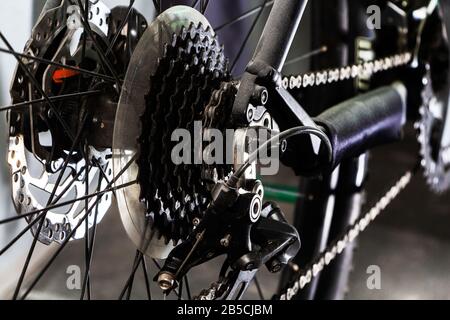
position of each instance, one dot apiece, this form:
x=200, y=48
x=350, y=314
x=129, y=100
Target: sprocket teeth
x=191, y=68
x=436, y=176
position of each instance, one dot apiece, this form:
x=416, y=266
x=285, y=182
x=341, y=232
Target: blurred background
x=410, y=242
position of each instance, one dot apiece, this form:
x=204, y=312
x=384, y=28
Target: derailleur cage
x=236, y=225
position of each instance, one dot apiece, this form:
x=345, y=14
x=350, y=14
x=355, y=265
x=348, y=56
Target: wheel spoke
x=86, y=17
x=49, y=201
x=138, y=259
x=249, y=33
x=128, y=285
x=203, y=6
x=122, y=25
x=244, y=16
x=31, y=223
x=87, y=279
x=310, y=54
x=258, y=287
x=91, y=248
x=71, y=234
x=56, y=64
x=52, y=98
x=188, y=289
x=147, y=281
x=194, y=4
x=156, y=263
x=18, y=236
x=66, y=203
x=103, y=173
x=39, y=88
x=157, y=5
x=104, y=60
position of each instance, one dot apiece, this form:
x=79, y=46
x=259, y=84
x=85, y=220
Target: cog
x=192, y=67
x=435, y=160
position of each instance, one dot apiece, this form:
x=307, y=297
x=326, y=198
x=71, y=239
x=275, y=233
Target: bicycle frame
x=334, y=206
x=272, y=49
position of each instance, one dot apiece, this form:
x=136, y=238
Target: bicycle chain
x=359, y=70
x=303, y=277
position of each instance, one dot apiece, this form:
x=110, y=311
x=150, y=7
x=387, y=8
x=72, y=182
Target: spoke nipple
x=166, y=280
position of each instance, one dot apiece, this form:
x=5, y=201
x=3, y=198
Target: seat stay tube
x=272, y=49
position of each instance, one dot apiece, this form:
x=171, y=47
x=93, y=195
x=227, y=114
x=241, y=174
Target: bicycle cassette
x=173, y=73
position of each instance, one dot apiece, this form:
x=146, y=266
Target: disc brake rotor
x=172, y=75
x=41, y=136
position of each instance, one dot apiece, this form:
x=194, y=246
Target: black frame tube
x=272, y=49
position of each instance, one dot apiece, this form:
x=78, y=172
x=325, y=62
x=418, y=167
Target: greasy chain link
x=305, y=276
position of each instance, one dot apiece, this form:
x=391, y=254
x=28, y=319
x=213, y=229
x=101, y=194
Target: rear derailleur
x=237, y=225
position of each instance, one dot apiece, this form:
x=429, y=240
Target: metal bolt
x=264, y=96
x=166, y=280
x=250, y=114
x=196, y=221
x=283, y=146
x=275, y=266
x=225, y=241
x=260, y=96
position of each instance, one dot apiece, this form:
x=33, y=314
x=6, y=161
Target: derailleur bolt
x=283, y=146
x=166, y=280
x=196, y=221
x=249, y=266
x=274, y=266
x=225, y=241
x=250, y=114
x=260, y=95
